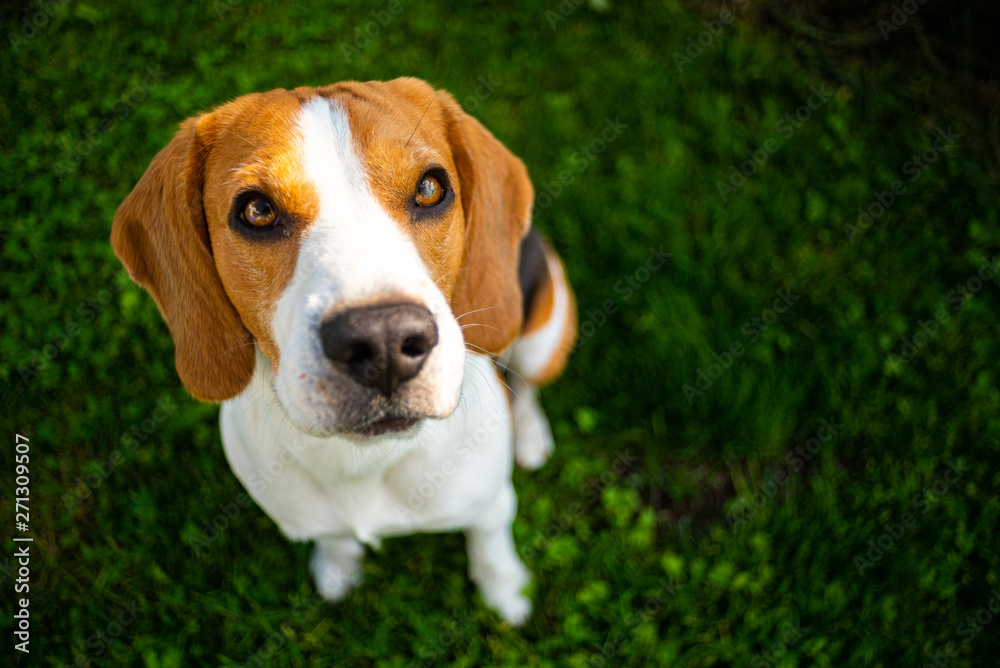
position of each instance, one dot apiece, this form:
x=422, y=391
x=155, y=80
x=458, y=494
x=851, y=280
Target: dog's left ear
x=161, y=236
x=497, y=197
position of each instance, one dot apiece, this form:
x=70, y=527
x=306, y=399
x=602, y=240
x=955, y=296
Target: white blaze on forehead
x=354, y=236
x=328, y=154
x=353, y=250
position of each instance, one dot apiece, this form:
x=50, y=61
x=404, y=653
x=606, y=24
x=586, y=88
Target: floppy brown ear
x=496, y=196
x=161, y=237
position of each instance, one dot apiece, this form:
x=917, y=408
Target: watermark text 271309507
x=22, y=518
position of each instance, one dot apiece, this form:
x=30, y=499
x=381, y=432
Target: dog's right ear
x=161, y=236
x=496, y=196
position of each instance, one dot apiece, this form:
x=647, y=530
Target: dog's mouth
x=386, y=425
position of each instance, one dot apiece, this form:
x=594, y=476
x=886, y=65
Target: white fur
x=531, y=427
x=451, y=471
x=448, y=474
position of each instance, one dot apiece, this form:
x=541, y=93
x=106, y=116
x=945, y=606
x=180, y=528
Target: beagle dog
x=349, y=270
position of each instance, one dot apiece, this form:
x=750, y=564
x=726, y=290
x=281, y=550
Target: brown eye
x=429, y=191
x=259, y=213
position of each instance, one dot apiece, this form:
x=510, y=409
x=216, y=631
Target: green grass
x=626, y=527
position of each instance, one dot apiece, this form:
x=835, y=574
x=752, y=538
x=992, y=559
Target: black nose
x=381, y=346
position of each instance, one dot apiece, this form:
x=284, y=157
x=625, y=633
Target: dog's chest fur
x=436, y=479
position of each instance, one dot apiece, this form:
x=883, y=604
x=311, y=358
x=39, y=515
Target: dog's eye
x=429, y=191
x=258, y=212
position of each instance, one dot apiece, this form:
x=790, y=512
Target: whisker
x=505, y=369
x=250, y=405
x=495, y=397
x=485, y=308
x=479, y=348
x=478, y=324
x=421, y=118
x=500, y=378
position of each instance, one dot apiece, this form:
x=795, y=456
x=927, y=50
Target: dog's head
x=354, y=232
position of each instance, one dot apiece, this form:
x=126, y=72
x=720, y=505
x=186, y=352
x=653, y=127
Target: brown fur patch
x=541, y=307
x=215, y=287
x=160, y=235
x=255, y=145
x=557, y=363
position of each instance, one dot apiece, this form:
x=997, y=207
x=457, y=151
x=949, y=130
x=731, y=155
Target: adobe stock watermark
x=212, y=529
x=928, y=329
x=99, y=642
x=795, y=460
x=73, y=154
x=625, y=288
x=894, y=532
x=86, y=311
x=791, y=633
x=968, y=629
x=901, y=13
x=786, y=127
x=85, y=485
x=915, y=167
x=591, y=492
x=484, y=90
x=637, y=616
x=259, y=480
x=581, y=159
x=365, y=33
x=696, y=45
x=459, y=624
x=276, y=641
x=751, y=330
x=910, y=346
x=33, y=22
x=965, y=291
x=417, y=497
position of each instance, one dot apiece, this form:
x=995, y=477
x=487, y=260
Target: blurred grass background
x=646, y=539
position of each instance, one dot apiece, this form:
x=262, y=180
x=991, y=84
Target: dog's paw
x=533, y=437
x=505, y=593
x=532, y=453
x=335, y=577
x=514, y=609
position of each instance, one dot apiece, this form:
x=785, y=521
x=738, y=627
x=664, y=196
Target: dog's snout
x=381, y=346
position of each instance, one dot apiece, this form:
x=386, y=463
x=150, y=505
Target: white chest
x=438, y=478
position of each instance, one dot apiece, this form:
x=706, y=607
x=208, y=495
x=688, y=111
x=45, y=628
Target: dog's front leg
x=532, y=433
x=336, y=566
x=493, y=562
